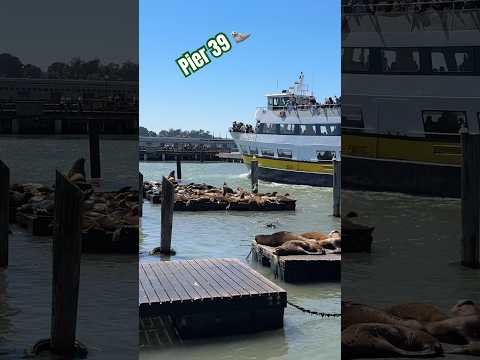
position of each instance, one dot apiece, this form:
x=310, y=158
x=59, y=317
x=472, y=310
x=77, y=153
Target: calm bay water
x=108, y=295
x=229, y=234
x=415, y=255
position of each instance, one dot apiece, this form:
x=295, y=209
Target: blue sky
x=287, y=37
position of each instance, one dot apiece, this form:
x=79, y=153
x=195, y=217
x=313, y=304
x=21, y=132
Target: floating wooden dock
x=299, y=268
x=210, y=297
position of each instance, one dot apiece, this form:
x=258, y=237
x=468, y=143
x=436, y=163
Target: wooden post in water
x=254, y=175
x=470, y=198
x=337, y=186
x=67, y=247
x=140, y=194
x=168, y=201
x=179, y=166
x=94, y=143
x=4, y=213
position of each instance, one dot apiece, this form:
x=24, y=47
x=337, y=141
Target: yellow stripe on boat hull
x=290, y=165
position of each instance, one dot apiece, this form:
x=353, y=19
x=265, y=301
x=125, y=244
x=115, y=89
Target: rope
x=322, y=314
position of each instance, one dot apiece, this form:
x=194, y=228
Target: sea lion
x=353, y=313
x=314, y=235
x=299, y=247
x=460, y=330
x=385, y=340
x=227, y=190
x=415, y=311
x=78, y=167
x=465, y=307
x=277, y=239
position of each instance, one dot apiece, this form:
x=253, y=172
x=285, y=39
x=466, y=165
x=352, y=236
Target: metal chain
x=322, y=314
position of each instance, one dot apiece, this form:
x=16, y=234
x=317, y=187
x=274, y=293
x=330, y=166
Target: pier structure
x=152, y=148
x=299, y=268
x=57, y=106
x=209, y=297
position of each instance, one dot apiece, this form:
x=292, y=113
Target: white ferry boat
x=410, y=81
x=295, y=138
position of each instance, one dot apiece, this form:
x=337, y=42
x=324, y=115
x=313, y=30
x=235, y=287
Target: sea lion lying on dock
x=299, y=247
x=288, y=243
x=353, y=314
x=416, y=311
x=385, y=340
x=277, y=238
x=459, y=329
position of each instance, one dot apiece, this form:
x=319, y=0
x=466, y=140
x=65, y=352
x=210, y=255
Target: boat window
x=287, y=129
x=443, y=122
x=308, y=129
x=352, y=117
x=253, y=150
x=448, y=60
x=400, y=60
x=268, y=152
x=324, y=155
x=355, y=59
x=284, y=153
x=264, y=128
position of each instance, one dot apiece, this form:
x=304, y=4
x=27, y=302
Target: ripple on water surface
x=229, y=234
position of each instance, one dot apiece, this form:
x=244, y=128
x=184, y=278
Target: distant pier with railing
x=158, y=148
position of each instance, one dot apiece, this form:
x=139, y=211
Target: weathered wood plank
x=337, y=187
x=254, y=175
x=263, y=284
x=470, y=199
x=168, y=202
x=67, y=249
x=4, y=213
x=167, y=283
x=223, y=284
x=213, y=288
x=153, y=289
x=180, y=283
x=250, y=287
x=94, y=144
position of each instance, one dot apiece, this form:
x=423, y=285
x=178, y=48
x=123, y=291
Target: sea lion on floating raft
x=372, y=340
x=353, y=313
x=299, y=247
x=462, y=328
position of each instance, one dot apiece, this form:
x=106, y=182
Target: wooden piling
x=179, y=166
x=4, y=213
x=254, y=175
x=67, y=247
x=168, y=202
x=140, y=194
x=337, y=187
x=94, y=143
x=470, y=198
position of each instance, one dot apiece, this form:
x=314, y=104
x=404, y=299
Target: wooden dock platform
x=299, y=268
x=210, y=297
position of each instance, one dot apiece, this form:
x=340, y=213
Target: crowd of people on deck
x=241, y=127
x=182, y=147
x=385, y=6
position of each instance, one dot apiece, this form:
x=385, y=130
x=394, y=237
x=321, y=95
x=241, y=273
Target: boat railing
x=357, y=7
x=315, y=109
